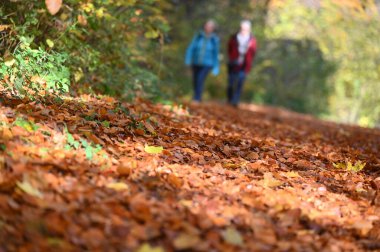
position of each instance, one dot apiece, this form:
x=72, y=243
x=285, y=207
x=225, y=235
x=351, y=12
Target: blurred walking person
x=241, y=53
x=202, y=55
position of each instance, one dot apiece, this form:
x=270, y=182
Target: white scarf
x=243, y=44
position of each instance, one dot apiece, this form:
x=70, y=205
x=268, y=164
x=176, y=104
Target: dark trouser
x=199, y=76
x=235, y=86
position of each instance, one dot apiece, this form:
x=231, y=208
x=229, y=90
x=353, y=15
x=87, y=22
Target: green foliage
x=293, y=74
x=348, y=37
x=350, y=167
x=29, y=126
x=96, y=46
x=89, y=148
x=34, y=72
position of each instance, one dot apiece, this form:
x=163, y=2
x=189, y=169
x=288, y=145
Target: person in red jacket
x=241, y=52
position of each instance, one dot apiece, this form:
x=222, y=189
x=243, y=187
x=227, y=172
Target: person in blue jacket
x=203, y=56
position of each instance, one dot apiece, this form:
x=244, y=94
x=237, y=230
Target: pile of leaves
x=92, y=173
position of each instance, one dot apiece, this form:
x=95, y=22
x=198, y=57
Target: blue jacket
x=204, y=51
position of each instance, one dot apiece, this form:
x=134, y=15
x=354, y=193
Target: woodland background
x=315, y=56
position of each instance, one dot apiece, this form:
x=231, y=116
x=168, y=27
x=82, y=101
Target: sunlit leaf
x=151, y=34
x=292, y=174
x=153, y=149
x=233, y=237
x=29, y=189
x=146, y=247
x=270, y=181
x=186, y=241
x=118, y=186
x=9, y=61
x=50, y=43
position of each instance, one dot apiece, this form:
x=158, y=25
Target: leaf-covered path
x=83, y=175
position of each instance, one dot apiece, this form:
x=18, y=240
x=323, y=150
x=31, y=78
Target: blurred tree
x=347, y=32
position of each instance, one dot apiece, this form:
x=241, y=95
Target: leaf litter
x=92, y=173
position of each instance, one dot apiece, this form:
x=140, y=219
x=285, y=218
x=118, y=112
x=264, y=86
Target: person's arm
x=250, y=56
x=215, y=70
x=190, y=52
x=230, y=48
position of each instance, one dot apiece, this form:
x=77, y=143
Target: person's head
x=209, y=26
x=245, y=27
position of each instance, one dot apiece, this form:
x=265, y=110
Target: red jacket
x=233, y=54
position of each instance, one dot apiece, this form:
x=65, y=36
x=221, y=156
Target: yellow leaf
x=9, y=61
x=4, y=27
x=152, y=34
x=292, y=174
x=153, y=149
x=50, y=43
x=53, y=6
x=233, y=237
x=270, y=181
x=29, y=189
x=186, y=241
x=118, y=186
x=147, y=248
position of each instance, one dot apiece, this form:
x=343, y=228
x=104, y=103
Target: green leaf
x=89, y=152
x=29, y=126
x=233, y=237
x=106, y=124
x=29, y=189
x=151, y=34
x=153, y=149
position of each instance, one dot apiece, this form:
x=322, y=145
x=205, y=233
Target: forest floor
x=94, y=174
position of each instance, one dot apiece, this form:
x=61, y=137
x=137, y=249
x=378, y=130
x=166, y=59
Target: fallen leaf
x=363, y=226
x=29, y=189
x=292, y=174
x=147, y=248
x=186, y=241
x=175, y=181
x=153, y=149
x=232, y=236
x=118, y=186
x=253, y=155
x=270, y=181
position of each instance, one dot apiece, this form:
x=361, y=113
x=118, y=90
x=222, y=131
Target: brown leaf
x=253, y=155
x=82, y=20
x=175, y=181
x=375, y=184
